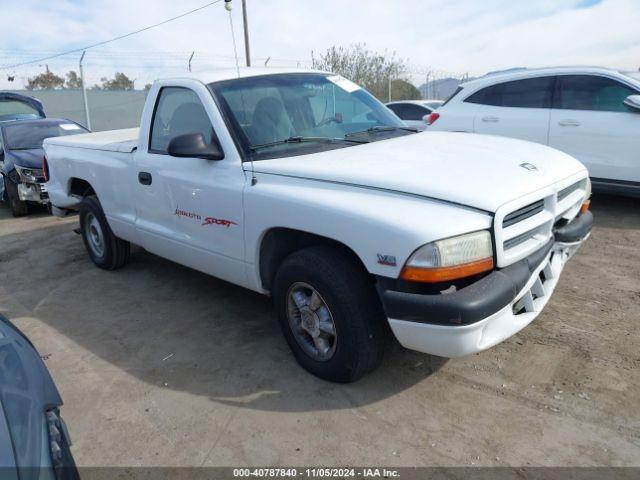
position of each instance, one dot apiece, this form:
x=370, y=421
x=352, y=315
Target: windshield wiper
x=381, y=128
x=299, y=139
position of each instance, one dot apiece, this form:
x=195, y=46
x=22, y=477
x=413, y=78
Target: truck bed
x=125, y=140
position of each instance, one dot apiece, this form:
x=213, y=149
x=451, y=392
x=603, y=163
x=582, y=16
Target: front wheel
x=105, y=249
x=18, y=207
x=330, y=313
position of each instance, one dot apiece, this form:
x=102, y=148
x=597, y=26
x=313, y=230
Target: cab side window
x=178, y=111
x=526, y=93
x=590, y=92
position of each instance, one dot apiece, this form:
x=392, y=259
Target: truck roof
x=222, y=74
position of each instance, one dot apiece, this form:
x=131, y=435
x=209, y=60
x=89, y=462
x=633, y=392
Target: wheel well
x=81, y=188
x=278, y=243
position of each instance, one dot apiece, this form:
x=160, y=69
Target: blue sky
x=471, y=36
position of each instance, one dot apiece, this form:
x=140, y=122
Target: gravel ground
x=162, y=365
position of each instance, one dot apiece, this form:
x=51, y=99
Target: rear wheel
x=18, y=207
x=330, y=314
x=105, y=249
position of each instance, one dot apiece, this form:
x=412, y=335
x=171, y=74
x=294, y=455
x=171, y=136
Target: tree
x=73, y=80
x=45, y=81
x=403, y=90
x=369, y=69
x=147, y=87
x=119, y=82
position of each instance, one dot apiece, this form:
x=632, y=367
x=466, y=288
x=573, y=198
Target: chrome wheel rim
x=311, y=321
x=94, y=235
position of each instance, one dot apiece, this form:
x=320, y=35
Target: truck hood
x=479, y=171
x=31, y=158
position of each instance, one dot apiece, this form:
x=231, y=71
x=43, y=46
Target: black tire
x=18, y=207
x=115, y=251
x=349, y=293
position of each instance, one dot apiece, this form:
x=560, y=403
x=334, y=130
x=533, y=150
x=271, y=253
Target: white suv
x=590, y=113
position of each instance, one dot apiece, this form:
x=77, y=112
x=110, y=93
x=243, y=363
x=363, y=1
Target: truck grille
x=523, y=213
x=521, y=229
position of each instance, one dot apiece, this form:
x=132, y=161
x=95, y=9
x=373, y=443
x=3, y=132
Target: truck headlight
x=450, y=259
x=29, y=175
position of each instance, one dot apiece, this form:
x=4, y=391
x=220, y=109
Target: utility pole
x=246, y=33
x=84, y=93
x=426, y=86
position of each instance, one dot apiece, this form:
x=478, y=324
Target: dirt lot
x=162, y=365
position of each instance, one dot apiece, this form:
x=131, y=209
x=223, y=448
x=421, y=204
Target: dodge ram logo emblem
x=529, y=166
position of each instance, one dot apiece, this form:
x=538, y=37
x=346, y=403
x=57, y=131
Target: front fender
x=371, y=222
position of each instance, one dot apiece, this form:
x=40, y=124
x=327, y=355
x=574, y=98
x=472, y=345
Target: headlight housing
x=450, y=259
x=30, y=175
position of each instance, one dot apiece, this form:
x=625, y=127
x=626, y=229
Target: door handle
x=144, y=178
x=490, y=119
x=569, y=123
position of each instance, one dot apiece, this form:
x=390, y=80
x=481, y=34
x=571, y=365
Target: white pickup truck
x=302, y=186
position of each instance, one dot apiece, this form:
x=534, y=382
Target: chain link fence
x=109, y=110
x=113, y=109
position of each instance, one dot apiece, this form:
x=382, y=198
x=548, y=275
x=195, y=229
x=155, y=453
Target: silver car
x=413, y=112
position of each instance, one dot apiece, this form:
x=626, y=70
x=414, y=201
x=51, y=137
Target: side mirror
x=633, y=102
x=193, y=145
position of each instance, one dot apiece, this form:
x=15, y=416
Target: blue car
x=21, y=157
x=34, y=442
x=14, y=106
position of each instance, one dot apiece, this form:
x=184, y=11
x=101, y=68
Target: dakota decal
x=184, y=213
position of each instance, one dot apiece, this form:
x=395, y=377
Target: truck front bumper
x=488, y=311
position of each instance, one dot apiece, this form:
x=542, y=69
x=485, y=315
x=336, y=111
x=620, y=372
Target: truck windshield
x=318, y=111
x=30, y=135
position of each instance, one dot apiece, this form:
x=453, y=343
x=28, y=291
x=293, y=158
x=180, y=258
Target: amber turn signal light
x=443, y=274
x=585, y=207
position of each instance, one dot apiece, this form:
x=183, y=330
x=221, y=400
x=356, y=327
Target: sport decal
x=218, y=221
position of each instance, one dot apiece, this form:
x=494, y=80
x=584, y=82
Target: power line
x=76, y=50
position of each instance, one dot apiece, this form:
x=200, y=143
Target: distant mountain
x=442, y=88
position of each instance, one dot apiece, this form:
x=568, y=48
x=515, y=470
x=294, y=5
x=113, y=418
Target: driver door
x=189, y=209
x=590, y=122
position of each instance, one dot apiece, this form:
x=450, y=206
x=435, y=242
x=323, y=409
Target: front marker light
x=450, y=259
x=587, y=198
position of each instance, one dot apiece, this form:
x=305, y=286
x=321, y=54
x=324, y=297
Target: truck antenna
x=228, y=7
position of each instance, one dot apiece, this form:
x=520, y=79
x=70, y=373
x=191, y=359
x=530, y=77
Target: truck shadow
x=611, y=211
x=176, y=328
